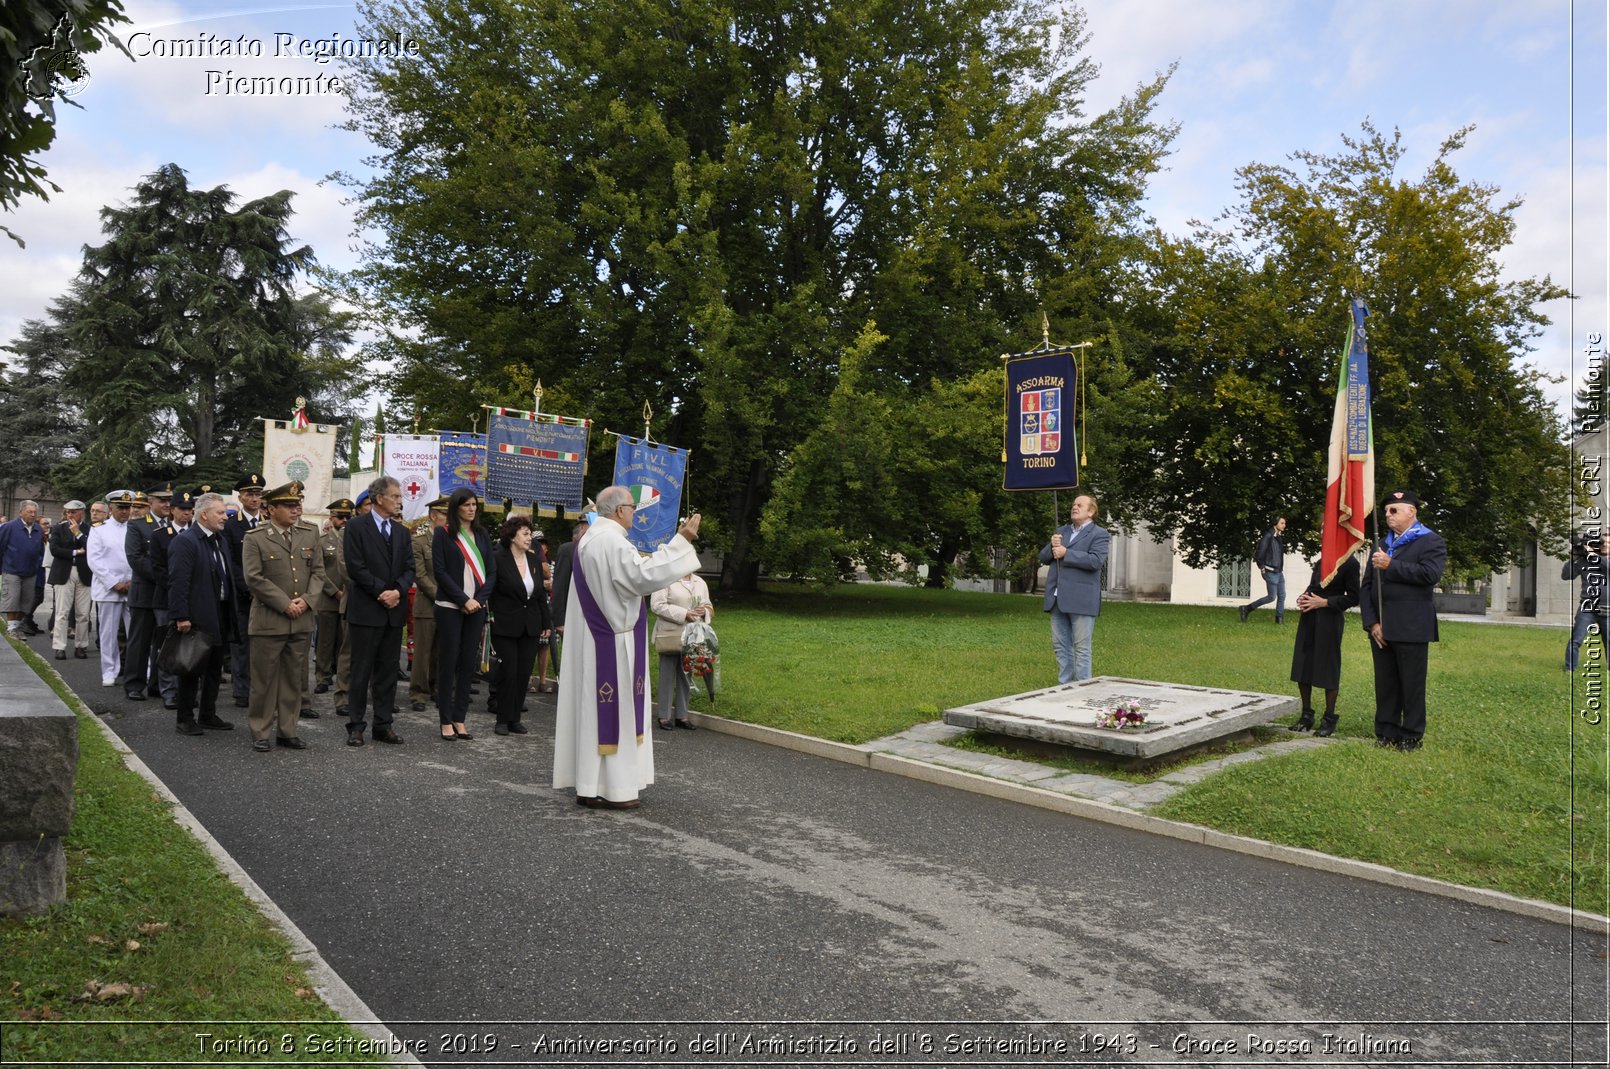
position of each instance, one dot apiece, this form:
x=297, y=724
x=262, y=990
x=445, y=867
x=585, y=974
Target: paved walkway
x=459, y=895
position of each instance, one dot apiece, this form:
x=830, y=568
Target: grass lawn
x=1510, y=779
x=151, y=931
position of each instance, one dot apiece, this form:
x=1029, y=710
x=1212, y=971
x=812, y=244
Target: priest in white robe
x=601, y=745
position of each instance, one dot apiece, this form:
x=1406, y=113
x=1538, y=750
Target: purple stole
x=609, y=723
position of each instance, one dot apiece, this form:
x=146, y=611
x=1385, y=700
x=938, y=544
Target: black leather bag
x=185, y=654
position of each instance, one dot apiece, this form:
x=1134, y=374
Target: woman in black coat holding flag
x=461, y=557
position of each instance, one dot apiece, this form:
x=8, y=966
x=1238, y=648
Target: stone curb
x=326, y=981
x=1108, y=813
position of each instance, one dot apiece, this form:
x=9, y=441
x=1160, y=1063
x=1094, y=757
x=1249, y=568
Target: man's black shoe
x=241, y=703
x=169, y=703
x=290, y=742
x=81, y=652
x=309, y=714
x=355, y=738
x=216, y=723
x=1243, y=611
x=61, y=655
x=390, y=737
x=134, y=695
x=189, y=727
x=321, y=688
x=518, y=728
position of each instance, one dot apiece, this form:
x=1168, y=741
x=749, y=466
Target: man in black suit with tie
x=1398, y=605
x=202, y=596
x=380, y=569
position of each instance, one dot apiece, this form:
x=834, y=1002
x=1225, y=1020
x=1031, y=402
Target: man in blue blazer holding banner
x=1073, y=587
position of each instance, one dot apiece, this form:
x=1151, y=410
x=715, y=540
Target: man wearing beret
x=1396, y=600
x=284, y=565
x=249, y=492
x=422, y=677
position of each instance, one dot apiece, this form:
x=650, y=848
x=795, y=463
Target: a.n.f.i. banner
x=306, y=454
x=1040, y=450
x=463, y=463
x=536, y=460
x=654, y=474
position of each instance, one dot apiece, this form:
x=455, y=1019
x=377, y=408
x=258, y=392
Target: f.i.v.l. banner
x=1040, y=450
x=654, y=474
x=463, y=463
x=536, y=460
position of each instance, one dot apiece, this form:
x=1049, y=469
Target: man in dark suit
x=380, y=569
x=1397, y=603
x=181, y=514
x=148, y=604
x=202, y=595
x=69, y=574
x=1076, y=555
x=249, y=491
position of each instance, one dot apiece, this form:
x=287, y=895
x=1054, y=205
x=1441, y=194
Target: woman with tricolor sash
x=461, y=557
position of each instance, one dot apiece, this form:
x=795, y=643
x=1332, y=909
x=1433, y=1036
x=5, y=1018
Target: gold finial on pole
x=475, y=423
x=536, y=398
x=416, y=420
x=648, y=420
x=1045, y=330
x=301, y=402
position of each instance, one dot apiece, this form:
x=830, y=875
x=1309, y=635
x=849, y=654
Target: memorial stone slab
x=1178, y=717
x=38, y=761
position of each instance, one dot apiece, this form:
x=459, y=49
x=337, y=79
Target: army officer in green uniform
x=283, y=564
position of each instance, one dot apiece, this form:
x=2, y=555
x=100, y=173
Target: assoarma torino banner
x=536, y=460
x=1040, y=450
x=654, y=474
x=307, y=455
x=411, y=460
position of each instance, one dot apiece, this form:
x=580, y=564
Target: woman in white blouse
x=676, y=606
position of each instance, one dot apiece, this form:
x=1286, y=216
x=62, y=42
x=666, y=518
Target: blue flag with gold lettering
x=654, y=474
x=1040, y=450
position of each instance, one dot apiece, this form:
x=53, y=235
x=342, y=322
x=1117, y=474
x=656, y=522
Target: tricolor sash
x=472, y=557
x=608, y=675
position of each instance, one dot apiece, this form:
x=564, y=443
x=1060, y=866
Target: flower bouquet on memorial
x=701, y=656
x=1124, y=715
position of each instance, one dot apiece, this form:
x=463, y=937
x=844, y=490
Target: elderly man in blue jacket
x=22, y=562
x=1077, y=553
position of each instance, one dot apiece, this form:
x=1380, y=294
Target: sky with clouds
x=1256, y=80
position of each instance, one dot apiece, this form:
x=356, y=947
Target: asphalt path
x=765, y=905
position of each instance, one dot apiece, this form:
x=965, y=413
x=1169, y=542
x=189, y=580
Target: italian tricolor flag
x=645, y=497
x=1350, y=476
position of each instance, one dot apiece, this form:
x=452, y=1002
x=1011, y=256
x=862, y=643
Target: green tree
x=41, y=428
x=42, y=45
x=700, y=205
x=1251, y=319
x=185, y=328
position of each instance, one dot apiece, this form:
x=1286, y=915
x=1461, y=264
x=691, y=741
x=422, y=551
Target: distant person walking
x=1399, y=610
x=1270, y=557
x=1316, y=657
x=1587, y=564
x=1076, y=555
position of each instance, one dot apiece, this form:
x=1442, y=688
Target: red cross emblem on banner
x=413, y=488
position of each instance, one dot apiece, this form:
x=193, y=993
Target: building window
x=1235, y=579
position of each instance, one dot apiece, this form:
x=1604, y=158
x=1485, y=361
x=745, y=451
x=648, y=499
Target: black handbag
x=185, y=653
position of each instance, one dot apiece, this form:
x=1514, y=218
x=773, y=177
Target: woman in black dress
x=461, y=557
x=1316, y=661
x=520, y=620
